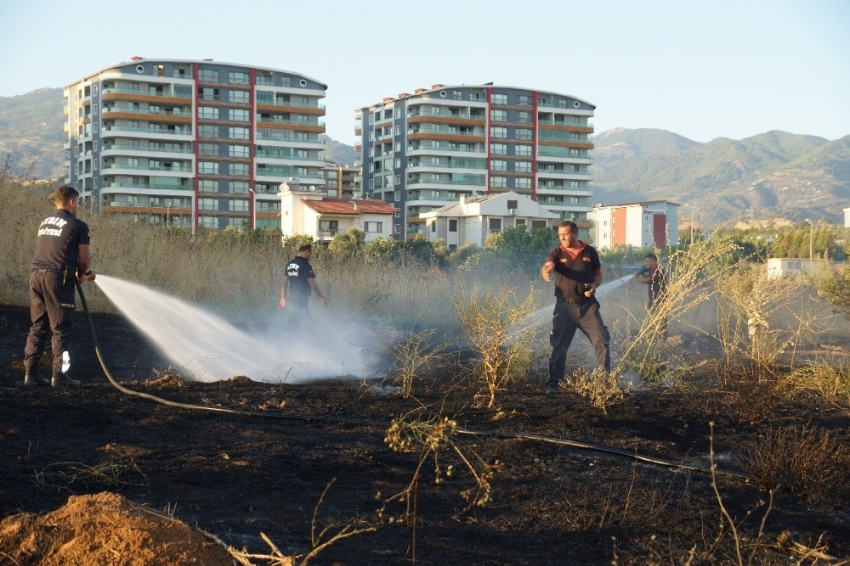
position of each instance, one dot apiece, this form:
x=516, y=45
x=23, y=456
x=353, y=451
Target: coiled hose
x=464, y=431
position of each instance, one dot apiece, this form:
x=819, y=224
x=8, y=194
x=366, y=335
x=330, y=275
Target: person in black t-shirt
x=578, y=272
x=653, y=276
x=61, y=257
x=299, y=282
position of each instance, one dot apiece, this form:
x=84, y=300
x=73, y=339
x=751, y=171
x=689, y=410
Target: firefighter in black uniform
x=578, y=272
x=61, y=256
x=299, y=282
x=653, y=276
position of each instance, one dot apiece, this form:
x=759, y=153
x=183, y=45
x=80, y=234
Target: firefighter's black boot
x=32, y=375
x=60, y=378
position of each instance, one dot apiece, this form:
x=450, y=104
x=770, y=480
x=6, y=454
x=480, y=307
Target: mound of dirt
x=105, y=528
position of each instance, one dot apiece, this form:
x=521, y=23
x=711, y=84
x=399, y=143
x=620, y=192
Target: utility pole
x=811, y=239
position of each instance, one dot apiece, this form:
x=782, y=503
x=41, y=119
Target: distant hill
x=338, y=152
x=771, y=175
x=775, y=175
x=31, y=133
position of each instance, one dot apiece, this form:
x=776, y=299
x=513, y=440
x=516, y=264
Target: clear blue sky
x=700, y=68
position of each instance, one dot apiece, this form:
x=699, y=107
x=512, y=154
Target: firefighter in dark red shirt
x=61, y=257
x=578, y=272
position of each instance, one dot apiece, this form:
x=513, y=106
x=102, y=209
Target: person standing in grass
x=578, y=272
x=299, y=282
x=653, y=276
x=61, y=257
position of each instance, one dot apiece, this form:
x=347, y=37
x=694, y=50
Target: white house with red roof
x=308, y=210
x=472, y=219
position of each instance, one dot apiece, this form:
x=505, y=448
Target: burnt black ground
x=237, y=476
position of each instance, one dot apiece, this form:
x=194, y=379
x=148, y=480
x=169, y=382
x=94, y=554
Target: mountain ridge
x=770, y=175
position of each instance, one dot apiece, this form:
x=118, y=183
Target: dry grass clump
x=805, y=460
x=601, y=388
x=829, y=383
x=749, y=393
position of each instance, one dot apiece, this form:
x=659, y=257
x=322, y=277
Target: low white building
x=472, y=219
x=651, y=224
x=784, y=266
x=308, y=210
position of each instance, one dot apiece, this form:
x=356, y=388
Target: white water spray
x=210, y=349
x=545, y=314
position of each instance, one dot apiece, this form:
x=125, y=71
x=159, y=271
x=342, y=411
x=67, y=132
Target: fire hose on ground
x=575, y=444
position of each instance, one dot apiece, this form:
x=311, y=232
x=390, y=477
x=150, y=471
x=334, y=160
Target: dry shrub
x=749, y=393
x=435, y=438
x=753, y=314
x=830, y=383
x=494, y=322
x=807, y=461
x=413, y=354
x=600, y=387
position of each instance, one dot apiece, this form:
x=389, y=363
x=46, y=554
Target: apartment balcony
x=151, y=131
x=566, y=175
x=118, y=148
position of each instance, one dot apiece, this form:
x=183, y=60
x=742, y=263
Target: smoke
x=208, y=348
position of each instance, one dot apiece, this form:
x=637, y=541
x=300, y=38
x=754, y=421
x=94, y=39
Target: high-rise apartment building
x=423, y=150
x=193, y=143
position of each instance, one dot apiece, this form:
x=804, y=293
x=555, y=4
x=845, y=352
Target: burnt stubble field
x=563, y=482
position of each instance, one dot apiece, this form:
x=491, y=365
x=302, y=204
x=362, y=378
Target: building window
x=242, y=151
x=207, y=149
x=208, y=76
x=500, y=99
x=498, y=182
x=236, y=133
x=457, y=95
x=523, y=117
x=523, y=150
x=522, y=183
x=205, y=131
x=207, y=204
x=237, y=78
x=238, y=205
x=240, y=169
x=207, y=168
x=397, y=196
x=239, y=115
x=495, y=224
x=396, y=228
x=499, y=115
x=522, y=166
x=523, y=100
x=207, y=186
x=240, y=96
x=398, y=163
x=371, y=118
x=498, y=165
x=452, y=225
x=208, y=113
x=373, y=227
x=498, y=149
x=498, y=132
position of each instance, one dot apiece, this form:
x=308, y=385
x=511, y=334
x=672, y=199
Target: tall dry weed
x=494, y=322
x=689, y=274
